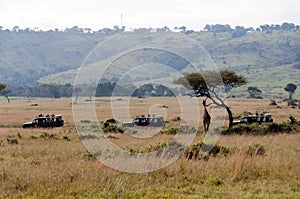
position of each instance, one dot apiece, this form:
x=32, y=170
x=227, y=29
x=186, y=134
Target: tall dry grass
x=53, y=163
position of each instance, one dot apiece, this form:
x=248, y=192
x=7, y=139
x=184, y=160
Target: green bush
x=242, y=129
x=278, y=128
x=264, y=129
x=182, y=129
x=111, y=121
x=111, y=128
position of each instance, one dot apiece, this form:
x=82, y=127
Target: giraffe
x=206, y=116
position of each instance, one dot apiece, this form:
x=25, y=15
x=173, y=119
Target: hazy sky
x=194, y=14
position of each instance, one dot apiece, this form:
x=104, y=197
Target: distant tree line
x=73, y=30
x=43, y=90
x=102, y=90
x=239, y=31
x=215, y=28
x=226, y=28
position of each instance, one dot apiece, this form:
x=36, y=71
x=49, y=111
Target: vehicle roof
x=140, y=117
x=44, y=117
x=264, y=114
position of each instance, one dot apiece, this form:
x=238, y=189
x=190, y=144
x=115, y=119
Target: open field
x=53, y=163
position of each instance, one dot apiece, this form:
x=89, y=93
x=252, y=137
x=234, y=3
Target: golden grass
x=53, y=163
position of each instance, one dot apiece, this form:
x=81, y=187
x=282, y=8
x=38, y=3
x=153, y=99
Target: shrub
x=87, y=154
x=278, y=128
x=170, y=131
x=19, y=135
x=66, y=138
x=243, y=114
x=292, y=119
x=209, y=150
x=111, y=128
x=187, y=130
x=162, y=149
x=105, y=125
x=155, y=147
x=241, y=129
x=273, y=103
x=85, y=121
x=47, y=136
x=176, y=119
x=88, y=136
x=175, y=130
x=33, y=137
x=111, y=121
x=296, y=65
x=256, y=149
x=265, y=129
x=171, y=150
x=12, y=141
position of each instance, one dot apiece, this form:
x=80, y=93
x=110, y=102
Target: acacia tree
x=4, y=91
x=254, y=92
x=290, y=88
x=2, y=87
x=208, y=83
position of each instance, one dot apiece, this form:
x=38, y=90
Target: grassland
x=53, y=163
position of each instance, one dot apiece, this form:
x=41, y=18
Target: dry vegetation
x=53, y=163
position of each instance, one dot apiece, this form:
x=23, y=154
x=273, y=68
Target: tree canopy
x=2, y=87
x=206, y=83
x=290, y=87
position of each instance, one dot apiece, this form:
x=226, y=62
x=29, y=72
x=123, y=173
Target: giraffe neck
x=205, y=110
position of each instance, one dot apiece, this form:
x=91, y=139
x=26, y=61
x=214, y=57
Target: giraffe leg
x=207, y=125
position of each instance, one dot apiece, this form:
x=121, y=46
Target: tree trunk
x=230, y=117
x=222, y=104
x=291, y=101
x=76, y=98
x=8, y=100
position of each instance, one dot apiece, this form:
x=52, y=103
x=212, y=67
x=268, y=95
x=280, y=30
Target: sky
x=98, y=14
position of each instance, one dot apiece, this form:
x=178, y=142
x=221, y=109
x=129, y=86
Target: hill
x=26, y=56
x=266, y=57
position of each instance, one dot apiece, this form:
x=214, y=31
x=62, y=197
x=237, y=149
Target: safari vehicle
x=45, y=121
x=154, y=121
x=259, y=118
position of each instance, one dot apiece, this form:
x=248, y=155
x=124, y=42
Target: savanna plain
x=53, y=162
